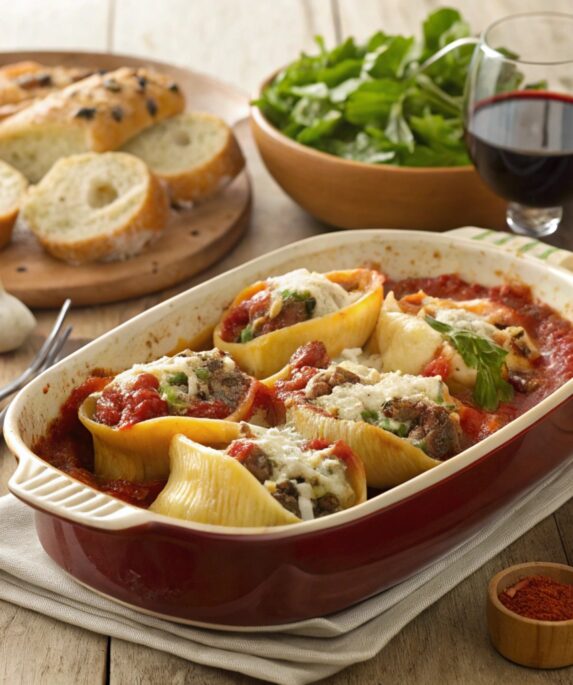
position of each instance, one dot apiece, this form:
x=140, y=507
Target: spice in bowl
x=530, y=614
x=540, y=598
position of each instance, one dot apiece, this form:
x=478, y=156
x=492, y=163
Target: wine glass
x=519, y=117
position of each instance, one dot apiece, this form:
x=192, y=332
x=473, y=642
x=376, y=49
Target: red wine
x=522, y=146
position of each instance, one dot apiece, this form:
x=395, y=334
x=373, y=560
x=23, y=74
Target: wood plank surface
x=54, y=24
x=361, y=19
x=241, y=41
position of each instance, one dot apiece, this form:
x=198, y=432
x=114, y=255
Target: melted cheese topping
x=329, y=296
x=462, y=319
x=350, y=400
x=186, y=362
x=322, y=473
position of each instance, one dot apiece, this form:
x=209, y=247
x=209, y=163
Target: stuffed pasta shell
x=398, y=424
x=477, y=345
x=263, y=478
x=198, y=394
x=269, y=320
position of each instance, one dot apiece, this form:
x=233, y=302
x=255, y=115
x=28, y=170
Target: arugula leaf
x=247, y=334
x=483, y=355
x=367, y=102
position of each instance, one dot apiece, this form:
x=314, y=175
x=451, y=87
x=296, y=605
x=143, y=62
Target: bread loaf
x=195, y=153
x=12, y=188
x=97, y=114
x=94, y=207
x=23, y=82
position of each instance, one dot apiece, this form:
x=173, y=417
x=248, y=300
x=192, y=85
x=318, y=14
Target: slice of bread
x=12, y=189
x=195, y=153
x=96, y=207
x=96, y=114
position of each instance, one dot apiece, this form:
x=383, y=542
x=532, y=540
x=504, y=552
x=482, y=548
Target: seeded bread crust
x=117, y=238
x=12, y=190
x=97, y=114
x=23, y=82
x=200, y=180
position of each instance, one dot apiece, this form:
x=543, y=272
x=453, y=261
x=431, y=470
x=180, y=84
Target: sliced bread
x=96, y=207
x=23, y=82
x=195, y=153
x=12, y=188
x=97, y=114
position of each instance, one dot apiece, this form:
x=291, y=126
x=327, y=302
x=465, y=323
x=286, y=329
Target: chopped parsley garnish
x=391, y=425
x=301, y=296
x=483, y=355
x=298, y=295
x=178, y=378
x=370, y=416
x=202, y=373
x=173, y=396
x=247, y=334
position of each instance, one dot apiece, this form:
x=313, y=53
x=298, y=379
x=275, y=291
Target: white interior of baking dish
x=158, y=331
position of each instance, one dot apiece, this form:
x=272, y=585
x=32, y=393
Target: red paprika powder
x=541, y=598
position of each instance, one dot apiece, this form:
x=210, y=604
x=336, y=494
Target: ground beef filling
x=227, y=386
x=428, y=425
x=325, y=381
x=286, y=494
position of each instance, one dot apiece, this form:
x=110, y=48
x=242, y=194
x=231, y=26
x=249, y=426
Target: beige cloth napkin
x=306, y=651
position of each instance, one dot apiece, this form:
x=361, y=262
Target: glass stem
x=532, y=221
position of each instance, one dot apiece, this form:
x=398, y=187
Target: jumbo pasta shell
x=388, y=459
x=347, y=327
x=141, y=452
x=208, y=486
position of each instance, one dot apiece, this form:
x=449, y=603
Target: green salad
x=370, y=103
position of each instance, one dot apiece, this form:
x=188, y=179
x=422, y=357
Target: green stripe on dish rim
x=548, y=252
x=485, y=234
x=529, y=246
x=505, y=239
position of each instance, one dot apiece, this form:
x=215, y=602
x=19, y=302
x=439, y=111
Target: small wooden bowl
x=350, y=194
x=525, y=641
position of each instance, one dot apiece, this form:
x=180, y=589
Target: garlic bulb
x=16, y=321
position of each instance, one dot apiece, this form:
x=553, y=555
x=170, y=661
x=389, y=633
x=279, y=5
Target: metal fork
x=47, y=355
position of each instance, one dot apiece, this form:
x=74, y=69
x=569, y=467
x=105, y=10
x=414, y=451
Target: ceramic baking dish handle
x=47, y=489
x=517, y=244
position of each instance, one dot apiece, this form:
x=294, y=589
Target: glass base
x=531, y=221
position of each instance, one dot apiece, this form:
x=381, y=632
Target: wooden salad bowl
x=527, y=641
x=349, y=194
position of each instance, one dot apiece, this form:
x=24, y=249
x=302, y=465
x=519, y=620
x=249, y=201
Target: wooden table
x=241, y=41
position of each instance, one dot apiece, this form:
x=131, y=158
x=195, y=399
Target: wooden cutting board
x=194, y=239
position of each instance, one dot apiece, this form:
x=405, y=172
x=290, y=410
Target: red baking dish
x=231, y=577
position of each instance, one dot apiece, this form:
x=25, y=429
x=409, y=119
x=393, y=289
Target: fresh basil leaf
x=483, y=355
